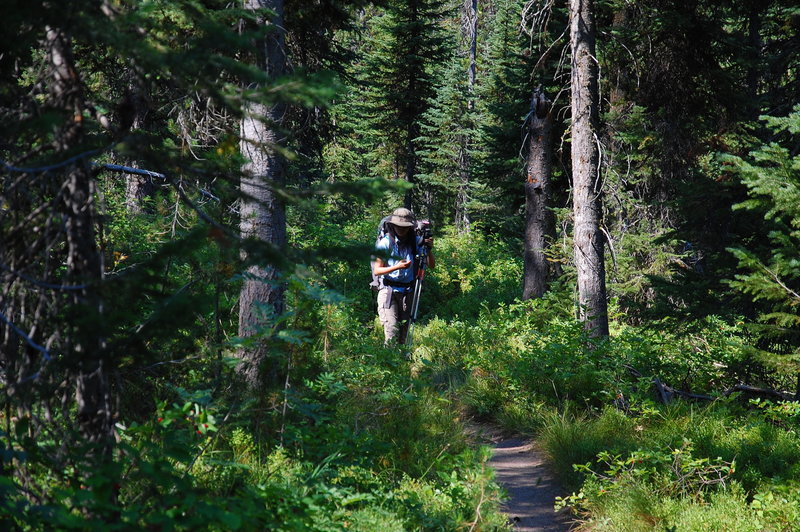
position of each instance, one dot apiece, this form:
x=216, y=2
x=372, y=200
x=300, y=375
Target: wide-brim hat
x=402, y=218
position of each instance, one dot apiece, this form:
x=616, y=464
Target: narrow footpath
x=531, y=488
x=521, y=470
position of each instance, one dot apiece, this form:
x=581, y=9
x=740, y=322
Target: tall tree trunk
x=471, y=26
x=586, y=179
x=138, y=188
x=461, y=218
x=469, y=31
x=84, y=262
x=410, y=156
x=754, y=27
x=539, y=219
x=263, y=216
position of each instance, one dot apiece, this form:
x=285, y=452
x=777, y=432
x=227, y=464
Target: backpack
x=377, y=280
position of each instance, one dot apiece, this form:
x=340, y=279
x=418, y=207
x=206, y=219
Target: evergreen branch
x=205, y=217
x=150, y=173
x=780, y=283
x=41, y=284
x=176, y=361
x=546, y=54
x=44, y=169
x=46, y=356
x=28, y=339
x=610, y=246
x=112, y=167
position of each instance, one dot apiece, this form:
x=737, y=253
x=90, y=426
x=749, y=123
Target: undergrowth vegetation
x=723, y=462
x=726, y=462
x=361, y=437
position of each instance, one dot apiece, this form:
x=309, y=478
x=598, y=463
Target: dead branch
x=666, y=393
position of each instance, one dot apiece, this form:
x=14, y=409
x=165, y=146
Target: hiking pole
x=423, y=262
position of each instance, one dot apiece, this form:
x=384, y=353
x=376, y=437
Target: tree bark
x=539, y=220
x=586, y=178
x=469, y=30
x=263, y=216
x=84, y=260
x=754, y=44
x=139, y=188
x=461, y=217
x=470, y=26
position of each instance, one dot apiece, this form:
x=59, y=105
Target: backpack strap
x=378, y=281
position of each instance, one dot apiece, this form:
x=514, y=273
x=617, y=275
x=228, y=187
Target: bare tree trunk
x=263, y=216
x=586, y=179
x=411, y=169
x=461, y=218
x=539, y=220
x=472, y=17
x=469, y=31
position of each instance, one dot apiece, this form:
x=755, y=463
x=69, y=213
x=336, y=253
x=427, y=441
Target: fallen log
x=665, y=393
x=764, y=392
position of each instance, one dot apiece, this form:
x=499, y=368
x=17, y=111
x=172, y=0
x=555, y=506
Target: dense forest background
x=190, y=196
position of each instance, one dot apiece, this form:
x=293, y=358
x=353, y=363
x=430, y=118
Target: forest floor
x=521, y=469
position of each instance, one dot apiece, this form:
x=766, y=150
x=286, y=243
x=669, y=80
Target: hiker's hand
x=428, y=242
x=403, y=264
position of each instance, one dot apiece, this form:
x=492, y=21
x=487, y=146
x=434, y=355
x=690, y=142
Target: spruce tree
x=769, y=270
x=408, y=44
x=503, y=101
x=447, y=147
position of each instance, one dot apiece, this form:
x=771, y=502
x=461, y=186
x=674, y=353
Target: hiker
x=401, y=243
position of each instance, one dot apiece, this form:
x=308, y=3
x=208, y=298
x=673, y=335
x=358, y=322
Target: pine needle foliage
x=503, y=101
x=770, y=272
x=448, y=134
x=408, y=44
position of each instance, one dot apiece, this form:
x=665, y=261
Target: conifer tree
x=70, y=364
x=408, y=42
x=770, y=272
x=503, y=102
x=357, y=147
x=447, y=146
x=470, y=26
x=679, y=80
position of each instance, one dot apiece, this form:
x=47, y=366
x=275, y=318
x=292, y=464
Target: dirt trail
x=521, y=469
